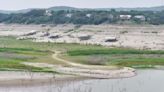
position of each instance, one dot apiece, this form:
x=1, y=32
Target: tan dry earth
x=134, y=36
x=16, y=78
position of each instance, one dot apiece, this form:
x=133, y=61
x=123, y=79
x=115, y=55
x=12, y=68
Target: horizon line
x=77, y=7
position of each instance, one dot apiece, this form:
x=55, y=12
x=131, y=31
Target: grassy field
x=12, y=58
x=111, y=51
x=13, y=52
x=117, y=56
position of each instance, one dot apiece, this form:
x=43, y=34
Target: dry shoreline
x=8, y=81
x=20, y=79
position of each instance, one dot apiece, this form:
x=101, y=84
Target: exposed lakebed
x=145, y=81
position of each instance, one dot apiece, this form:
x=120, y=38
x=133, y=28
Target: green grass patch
x=117, y=56
x=138, y=61
x=28, y=51
x=14, y=64
x=110, y=51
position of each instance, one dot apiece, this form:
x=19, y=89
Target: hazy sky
x=23, y=4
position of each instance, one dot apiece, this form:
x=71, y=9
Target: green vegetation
x=24, y=51
x=111, y=51
x=15, y=64
x=40, y=16
x=117, y=56
x=12, y=58
x=13, y=52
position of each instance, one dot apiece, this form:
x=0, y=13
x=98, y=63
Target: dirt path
x=55, y=56
x=86, y=70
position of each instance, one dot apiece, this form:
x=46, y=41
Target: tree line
x=82, y=17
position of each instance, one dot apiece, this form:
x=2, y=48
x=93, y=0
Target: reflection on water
x=145, y=81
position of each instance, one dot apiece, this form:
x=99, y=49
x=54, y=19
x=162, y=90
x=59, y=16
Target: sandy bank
x=11, y=78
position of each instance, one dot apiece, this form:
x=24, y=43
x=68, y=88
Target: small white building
x=125, y=17
x=69, y=15
x=141, y=17
x=88, y=15
x=48, y=13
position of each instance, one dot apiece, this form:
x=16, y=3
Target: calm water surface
x=145, y=81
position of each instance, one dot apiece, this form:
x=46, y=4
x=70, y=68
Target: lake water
x=145, y=81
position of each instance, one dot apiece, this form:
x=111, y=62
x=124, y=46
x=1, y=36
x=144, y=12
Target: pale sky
x=24, y=4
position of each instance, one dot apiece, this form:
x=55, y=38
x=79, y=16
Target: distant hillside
x=23, y=11
x=5, y=12
x=158, y=8
x=18, y=11
x=83, y=16
x=66, y=8
x=56, y=8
